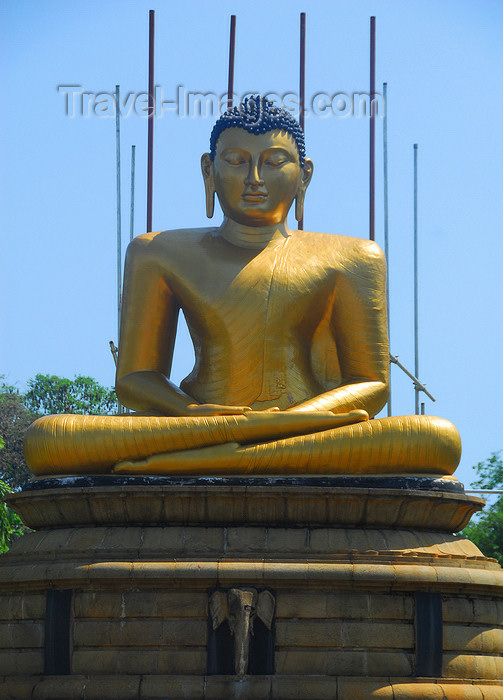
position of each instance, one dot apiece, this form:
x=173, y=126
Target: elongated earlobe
x=307, y=174
x=209, y=183
x=299, y=205
x=210, y=201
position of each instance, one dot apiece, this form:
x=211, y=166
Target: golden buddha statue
x=289, y=332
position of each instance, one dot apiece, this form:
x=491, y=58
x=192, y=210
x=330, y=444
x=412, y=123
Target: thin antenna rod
x=386, y=219
x=151, y=112
x=118, y=178
x=372, y=128
x=415, y=380
x=131, y=212
x=416, y=307
x=302, y=83
x=232, y=48
x=114, y=351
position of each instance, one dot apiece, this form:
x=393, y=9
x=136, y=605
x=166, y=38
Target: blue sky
x=443, y=63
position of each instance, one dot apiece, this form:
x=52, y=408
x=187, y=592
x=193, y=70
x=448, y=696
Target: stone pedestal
x=374, y=597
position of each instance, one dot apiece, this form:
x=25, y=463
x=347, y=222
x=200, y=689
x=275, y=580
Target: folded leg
x=414, y=445
x=73, y=444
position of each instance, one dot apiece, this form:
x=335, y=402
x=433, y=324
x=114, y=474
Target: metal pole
x=118, y=179
x=232, y=47
x=372, y=129
x=131, y=213
x=151, y=112
x=114, y=351
x=119, y=229
x=416, y=321
x=302, y=84
x=417, y=383
x=386, y=218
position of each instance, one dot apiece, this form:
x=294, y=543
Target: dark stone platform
x=408, y=483
x=427, y=503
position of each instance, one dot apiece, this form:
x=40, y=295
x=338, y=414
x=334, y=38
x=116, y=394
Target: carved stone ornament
x=240, y=607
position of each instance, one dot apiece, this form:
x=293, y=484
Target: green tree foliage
x=11, y=525
x=51, y=394
x=15, y=418
x=487, y=531
x=45, y=394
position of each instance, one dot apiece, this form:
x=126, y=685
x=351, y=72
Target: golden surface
x=289, y=331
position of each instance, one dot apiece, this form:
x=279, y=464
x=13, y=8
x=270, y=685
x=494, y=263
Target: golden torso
x=264, y=321
x=260, y=319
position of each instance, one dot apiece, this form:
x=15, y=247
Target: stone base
x=292, y=687
x=374, y=597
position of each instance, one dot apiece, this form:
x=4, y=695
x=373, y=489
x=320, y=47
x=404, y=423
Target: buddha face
x=257, y=176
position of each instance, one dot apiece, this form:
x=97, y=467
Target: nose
x=253, y=178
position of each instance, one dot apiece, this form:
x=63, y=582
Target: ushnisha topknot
x=257, y=115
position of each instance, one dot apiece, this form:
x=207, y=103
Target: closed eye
x=276, y=161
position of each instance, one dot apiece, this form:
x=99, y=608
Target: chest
x=281, y=285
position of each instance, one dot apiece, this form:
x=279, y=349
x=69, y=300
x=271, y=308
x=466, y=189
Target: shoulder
x=169, y=241
x=338, y=248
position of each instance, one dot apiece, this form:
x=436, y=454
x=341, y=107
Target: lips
x=254, y=196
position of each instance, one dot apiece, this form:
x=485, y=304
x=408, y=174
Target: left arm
x=358, y=326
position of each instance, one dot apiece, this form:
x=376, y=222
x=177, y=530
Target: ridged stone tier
x=108, y=599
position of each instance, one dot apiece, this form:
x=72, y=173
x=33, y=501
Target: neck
x=253, y=236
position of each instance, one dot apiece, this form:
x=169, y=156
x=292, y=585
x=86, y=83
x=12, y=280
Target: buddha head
x=256, y=164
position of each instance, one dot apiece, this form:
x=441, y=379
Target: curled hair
x=257, y=115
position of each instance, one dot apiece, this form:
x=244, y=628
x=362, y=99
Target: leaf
x=487, y=530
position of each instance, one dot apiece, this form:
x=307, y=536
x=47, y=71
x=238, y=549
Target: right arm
x=149, y=318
